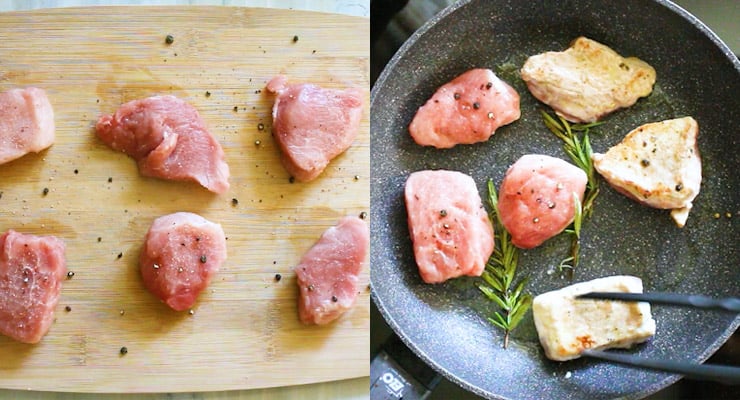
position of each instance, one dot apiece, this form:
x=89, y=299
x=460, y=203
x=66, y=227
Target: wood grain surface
x=244, y=332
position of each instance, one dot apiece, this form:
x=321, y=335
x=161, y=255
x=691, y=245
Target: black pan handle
x=397, y=373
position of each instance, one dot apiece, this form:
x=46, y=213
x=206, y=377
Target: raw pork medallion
x=466, y=110
x=26, y=123
x=587, y=81
x=536, y=198
x=451, y=232
x=31, y=272
x=566, y=326
x=168, y=139
x=657, y=164
x=312, y=125
x=181, y=254
x=328, y=273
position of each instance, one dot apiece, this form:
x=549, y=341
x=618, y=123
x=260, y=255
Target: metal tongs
x=720, y=373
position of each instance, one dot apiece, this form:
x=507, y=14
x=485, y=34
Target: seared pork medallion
x=451, y=232
x=181, y=253
x=466, y=110
x=566, y=326
x=536, y=200
x=587, y=81
x=328, y=273
x=657, y=164
x=313, y=125
x=168, y=139
x=31, y=272
x=26, y=123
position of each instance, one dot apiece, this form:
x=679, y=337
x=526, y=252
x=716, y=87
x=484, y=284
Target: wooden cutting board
x=244, y=332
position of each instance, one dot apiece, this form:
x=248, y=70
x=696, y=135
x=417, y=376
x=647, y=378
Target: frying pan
x=445, y=324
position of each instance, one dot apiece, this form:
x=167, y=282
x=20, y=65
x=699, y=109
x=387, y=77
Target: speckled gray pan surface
x=446, y=324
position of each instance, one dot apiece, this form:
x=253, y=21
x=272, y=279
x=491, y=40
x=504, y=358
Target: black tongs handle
x=728, y=375
x=731, y=304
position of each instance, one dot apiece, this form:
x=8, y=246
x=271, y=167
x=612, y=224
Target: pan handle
x=397, y=373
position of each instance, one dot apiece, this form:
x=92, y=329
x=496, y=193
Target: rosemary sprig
x=569, y=263
x=579, y=150
x=499, y=276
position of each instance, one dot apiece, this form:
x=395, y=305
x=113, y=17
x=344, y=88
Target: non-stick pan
x=446, y=324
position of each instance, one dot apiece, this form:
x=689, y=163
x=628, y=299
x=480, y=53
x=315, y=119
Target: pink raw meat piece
x=26, y=123
x=31, y=272
x=168, y=139
x=466, y=110
x=536, y=198
x=181, y=254
x=312, y=125
x=450, y=230
x=328, y=273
